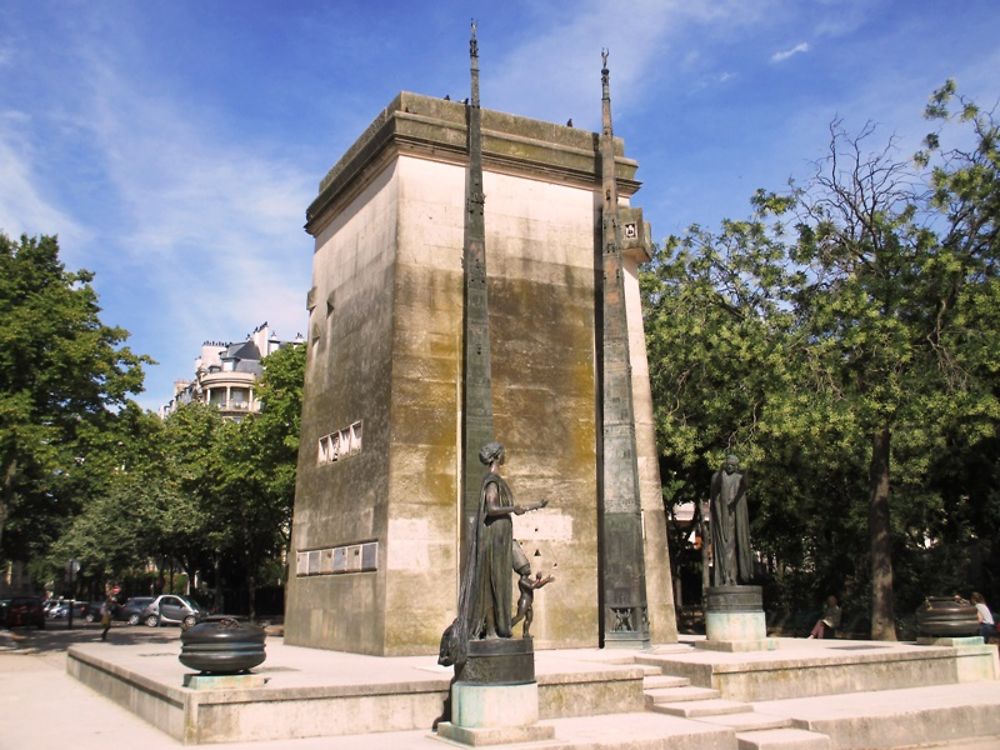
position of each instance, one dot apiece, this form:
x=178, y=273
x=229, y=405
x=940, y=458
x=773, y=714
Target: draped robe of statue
x=732, y=562
x=486, y=588
x=493, y=585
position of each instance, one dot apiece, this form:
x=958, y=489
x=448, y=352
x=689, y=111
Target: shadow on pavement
x=55, y=638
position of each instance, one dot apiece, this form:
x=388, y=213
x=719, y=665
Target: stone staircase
x=676, y=696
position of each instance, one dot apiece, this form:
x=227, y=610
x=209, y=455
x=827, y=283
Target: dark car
x=131, y=610
x=22, y=610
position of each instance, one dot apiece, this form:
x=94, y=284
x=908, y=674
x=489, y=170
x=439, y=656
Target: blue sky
x=174, y=146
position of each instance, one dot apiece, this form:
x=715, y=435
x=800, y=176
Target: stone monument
x=734, y=611
x=494, y=696
x=410, y=371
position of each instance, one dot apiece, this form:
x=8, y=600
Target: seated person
x=826, y=626
x=987, y=628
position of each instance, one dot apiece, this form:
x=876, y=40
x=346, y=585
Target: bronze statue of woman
x=486, y=587
x=491, y=610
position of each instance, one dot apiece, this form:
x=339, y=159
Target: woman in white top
x=986, y=625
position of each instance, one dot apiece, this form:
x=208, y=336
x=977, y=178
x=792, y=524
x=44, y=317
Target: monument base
x=494, y=715
x=734, y=620
x=499, y=661
x=495, y=699
x=223, y=681
x=967, y=640
x=496, y=735
x=481, y=706
x=738, y=646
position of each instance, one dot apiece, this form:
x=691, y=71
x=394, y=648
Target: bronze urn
x=946, y=617
x=222, y=645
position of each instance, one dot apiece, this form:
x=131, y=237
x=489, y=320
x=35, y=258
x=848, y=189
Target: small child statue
x=528, y=586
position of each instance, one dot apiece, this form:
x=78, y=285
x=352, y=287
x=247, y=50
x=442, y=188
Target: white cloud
x=207, y=224
x=542, y=76
x=23, y=209
x=838, y=18
x=785, y=54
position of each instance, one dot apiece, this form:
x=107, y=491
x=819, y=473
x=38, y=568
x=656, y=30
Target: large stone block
x=385, y=353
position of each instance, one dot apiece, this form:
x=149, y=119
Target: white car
x=171, y=609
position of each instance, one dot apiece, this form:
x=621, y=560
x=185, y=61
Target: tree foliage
x=211, y=496
x=65, y=380
x=844, y=335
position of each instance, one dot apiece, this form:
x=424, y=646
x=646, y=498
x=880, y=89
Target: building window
x=340, y=444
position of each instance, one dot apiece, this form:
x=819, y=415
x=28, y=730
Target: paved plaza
x=42, y=706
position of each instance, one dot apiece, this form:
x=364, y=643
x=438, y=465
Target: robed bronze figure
x=486, y=587
x=732, y=560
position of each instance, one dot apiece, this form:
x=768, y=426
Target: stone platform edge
x=748, y=679
x=240, y=715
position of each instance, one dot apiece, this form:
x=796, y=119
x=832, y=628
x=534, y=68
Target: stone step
x=749, y=721
x=650, y=670
x=697, y=709
x=672, y=648
x=633, y=731
x=653, y=682
x=782, y=739
x=922, y=715
x=678, y=694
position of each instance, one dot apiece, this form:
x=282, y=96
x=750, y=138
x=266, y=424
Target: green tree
x=64, y=376
x=188, y=528
x=257, y=462
x=866, y=339
x=117, y=528
x=725, y=360
x=276, y=427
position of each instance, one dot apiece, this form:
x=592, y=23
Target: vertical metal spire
x=623, y=579
x=477, y=392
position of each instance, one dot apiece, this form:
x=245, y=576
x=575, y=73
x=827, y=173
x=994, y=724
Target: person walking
x=107, y=610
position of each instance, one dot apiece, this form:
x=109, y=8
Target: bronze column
x=477, y=392
x=623, y=576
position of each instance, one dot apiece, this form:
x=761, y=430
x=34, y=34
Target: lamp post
x=72, y=567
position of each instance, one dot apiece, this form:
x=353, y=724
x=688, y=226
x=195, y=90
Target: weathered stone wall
x=540, y=263
x=424, y=430
x=348, y=374
x=387, y=351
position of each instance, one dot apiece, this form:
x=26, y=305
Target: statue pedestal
x=223, y=681
x=734, y=620
x=495, y=700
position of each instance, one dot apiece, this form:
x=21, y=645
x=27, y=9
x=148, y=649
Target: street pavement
x=41, y=706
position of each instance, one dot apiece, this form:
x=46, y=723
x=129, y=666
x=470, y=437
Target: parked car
x=22, y=610
x=61, y=610
x=171, y=609
x=57, y=609
x=131, y=610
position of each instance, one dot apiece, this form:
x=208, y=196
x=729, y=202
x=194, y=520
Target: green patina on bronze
x=623, y=586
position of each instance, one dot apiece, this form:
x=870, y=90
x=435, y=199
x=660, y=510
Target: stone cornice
x=431, y=128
